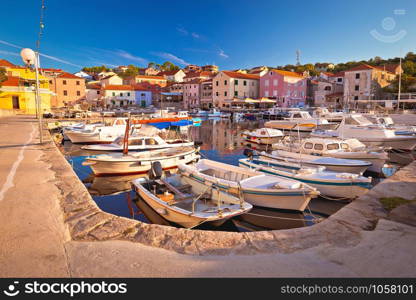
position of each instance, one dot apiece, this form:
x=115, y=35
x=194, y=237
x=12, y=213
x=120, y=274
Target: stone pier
x=51, y=227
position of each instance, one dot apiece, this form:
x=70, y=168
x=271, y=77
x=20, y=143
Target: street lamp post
x=31, y=58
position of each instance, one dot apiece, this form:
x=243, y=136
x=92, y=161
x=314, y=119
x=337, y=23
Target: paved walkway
x=34, y=242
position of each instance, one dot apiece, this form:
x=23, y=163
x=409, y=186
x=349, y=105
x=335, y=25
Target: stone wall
x=86, y=222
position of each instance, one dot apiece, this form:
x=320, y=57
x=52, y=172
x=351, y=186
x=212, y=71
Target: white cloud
x=59, y=60
x=171, y=57
x=222, y=54
x=9, y=53
x=195, y=35
x=10, y=44
x=182, y=30
x=130, y=56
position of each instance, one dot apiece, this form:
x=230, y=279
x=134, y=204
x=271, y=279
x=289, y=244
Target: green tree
x=131, y=71
x=408, y=85
x=96, y=69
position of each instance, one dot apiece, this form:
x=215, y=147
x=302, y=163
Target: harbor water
x=222, y=141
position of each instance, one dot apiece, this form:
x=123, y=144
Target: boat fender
x=347, y=175
x=156, y=170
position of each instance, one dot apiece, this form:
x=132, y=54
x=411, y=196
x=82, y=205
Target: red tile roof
x=6, y=63
x=168, y=73
x=363, y=67
x=69, y=75
x=288, y=73
x=10, y=81
x=94, y=86
x=199, y=74
x=241, y=75
x=339, y=74
x=193, y=81
x=118, y=87
x=151, y=77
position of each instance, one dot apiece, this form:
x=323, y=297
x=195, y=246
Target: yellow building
x=18, y=91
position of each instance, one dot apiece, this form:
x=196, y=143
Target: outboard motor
x=156, y=171
x=250, y=153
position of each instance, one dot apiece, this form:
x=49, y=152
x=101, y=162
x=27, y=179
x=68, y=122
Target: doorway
x=15, y=100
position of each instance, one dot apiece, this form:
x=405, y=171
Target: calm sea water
x=222, y=141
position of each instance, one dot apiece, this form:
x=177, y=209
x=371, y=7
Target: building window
x=266, y=93
x=98, y=92
x=64, y=82
x=244, y=83
x=78, y=93
x=128, y=94
x=339, y=79
x=65, y=93
x=236, y=82
x=357, y=87
x=114, y=93
x=275, y=82
x=266, y=83
x=217, y=94
x=357, y=76
x=274, y=93
x=50, y=81
x=355, y=97
x=216, y=83
x=236, y=93
x=121, y=94
x=225, y=82
x=77, y=82
x=225, y=93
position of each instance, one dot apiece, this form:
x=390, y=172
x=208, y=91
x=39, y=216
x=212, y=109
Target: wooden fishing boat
x=180, y=200
x=255, y=187
x=331, y=184
x=140, y=162
x=330, y=163
x=338, y=148
x=263, y=136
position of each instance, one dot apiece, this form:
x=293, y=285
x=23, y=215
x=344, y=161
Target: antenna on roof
x=298, y=57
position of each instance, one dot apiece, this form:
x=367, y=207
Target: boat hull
x=334, y=189
x=114, y=168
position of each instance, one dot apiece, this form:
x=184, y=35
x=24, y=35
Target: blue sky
x=231, y=34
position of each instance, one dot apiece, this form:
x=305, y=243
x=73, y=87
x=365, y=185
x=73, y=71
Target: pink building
x=191, y=94
x=289, y=88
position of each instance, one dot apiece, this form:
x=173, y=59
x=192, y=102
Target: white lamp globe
x=28, y=56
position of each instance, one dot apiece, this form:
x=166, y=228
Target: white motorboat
x=358, y=127
x=300, y=122
x=322, y=112
x=140, y=143
x=187, y=203
x=255, y=187
x=388, y=123
x=263, y=136
x=140, y=162
x=330, y=163
x=78, y=127
x=98, y=134
x=337, y=148
x=331, y=184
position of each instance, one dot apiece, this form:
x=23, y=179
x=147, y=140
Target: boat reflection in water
x=105, y=186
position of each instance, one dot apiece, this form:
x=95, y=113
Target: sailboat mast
x=400, y=85
x=126, y=138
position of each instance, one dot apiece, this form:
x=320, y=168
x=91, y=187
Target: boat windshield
x=358, y=120
x=334, y=146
